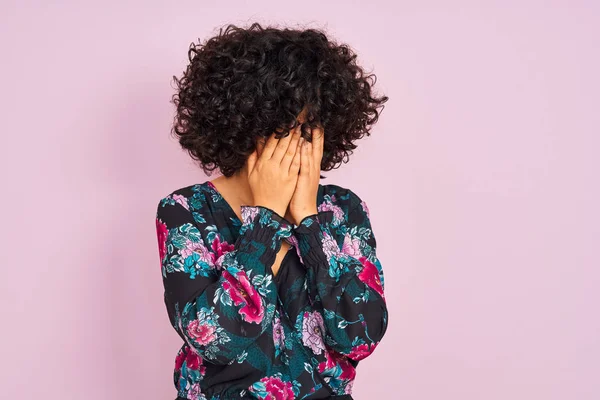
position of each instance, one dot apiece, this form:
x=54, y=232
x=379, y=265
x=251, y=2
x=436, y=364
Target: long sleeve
x=220, y=297
x=345, y=281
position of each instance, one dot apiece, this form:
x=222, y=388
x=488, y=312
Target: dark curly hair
x=246, y=83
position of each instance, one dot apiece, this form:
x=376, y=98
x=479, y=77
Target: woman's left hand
x=304, y=199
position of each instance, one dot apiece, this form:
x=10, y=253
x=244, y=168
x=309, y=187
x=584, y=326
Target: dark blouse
x=249, y=334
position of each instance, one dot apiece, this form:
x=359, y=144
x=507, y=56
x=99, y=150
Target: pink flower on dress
x=181, y=356
x=334, y=358
x=162, y=233
x=361, y=351
x=276, y=389
x=338, y=213
x=351, y=246
x=370, y=275
x=278, y=332
x=349, y=385
x=328, y=363
x=194, y=392
x=248, y=214
x=193, y=361
x=203, y=334
x=181, y=200
x=241, y=291
x=195, y=247
x=312, y=331
x=330, y=246
x=365, y=208
x=213, y=258
x=219, y=250
x=191, y=358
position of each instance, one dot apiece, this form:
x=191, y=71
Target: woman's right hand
x=272, y=176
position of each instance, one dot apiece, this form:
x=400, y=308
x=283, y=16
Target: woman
x=271, y=279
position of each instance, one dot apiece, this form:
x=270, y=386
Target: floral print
x=278, y=335
x=201, y=333
x=161, y=233
x=181, y=200
x=189, y=371
x=361, y=351
x=338, y=371
x=370, y=275
x=204, y=332
x=303, y=330
x=329, y=205
x=312, y=331
x=273, y=387
x=243, y=293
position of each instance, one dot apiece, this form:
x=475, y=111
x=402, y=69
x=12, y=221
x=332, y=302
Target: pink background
x=481, y=176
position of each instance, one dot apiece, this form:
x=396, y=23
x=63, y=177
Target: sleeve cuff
x=264, y=226
x=313, y=237
x=313, y=222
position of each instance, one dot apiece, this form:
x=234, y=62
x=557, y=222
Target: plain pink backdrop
x=481, y=177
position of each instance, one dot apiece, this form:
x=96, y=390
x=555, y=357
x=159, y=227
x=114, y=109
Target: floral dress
x=249, y=334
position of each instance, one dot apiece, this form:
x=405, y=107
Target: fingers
x=305, y=161
x=282, y=147
x=295, y=164
x=309, y=154
x=260, y=144
x=318, y=138
x=251, y=161
x=269, y=147
x=292, y=149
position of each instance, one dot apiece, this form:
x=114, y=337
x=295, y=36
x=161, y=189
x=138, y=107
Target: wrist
x=277, y=209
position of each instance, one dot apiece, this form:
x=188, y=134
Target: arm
x=220, y=297
x=345, y=284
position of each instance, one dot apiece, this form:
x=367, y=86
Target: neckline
x=230, y=209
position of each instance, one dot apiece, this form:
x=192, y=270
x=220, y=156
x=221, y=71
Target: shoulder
x=341, y=200
x=341, y=196
x=183, y=202
x=181, y=196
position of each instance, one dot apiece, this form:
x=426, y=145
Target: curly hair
x=246, y=83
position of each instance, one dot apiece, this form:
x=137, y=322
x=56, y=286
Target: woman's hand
x=304, y=199
x=272, y=176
